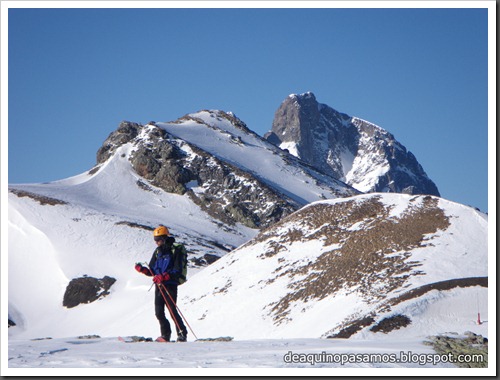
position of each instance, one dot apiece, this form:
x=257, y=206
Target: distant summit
x=350, y=149
x=227, y=170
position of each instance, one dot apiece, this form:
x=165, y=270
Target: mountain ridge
x=222, y=166
x=331, y=268
x=351, y=149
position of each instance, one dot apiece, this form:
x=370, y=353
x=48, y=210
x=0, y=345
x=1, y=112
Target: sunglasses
x=158, y=238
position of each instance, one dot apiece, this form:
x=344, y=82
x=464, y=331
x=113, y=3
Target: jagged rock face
x=232, y=195
x=126, y=132
x=352, y=150
x=219, y=188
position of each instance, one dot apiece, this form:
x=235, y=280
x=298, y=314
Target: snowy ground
x=401, y=349
x=256, y=357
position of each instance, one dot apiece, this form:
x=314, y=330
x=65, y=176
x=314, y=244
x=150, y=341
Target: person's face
x=159, y=241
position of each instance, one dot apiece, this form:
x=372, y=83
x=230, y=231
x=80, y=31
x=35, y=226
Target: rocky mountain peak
x=294, y=119
x=220, y=170
x=305, y=101
x=350, y=149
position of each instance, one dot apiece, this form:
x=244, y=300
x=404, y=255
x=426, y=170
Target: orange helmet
x=161, y=231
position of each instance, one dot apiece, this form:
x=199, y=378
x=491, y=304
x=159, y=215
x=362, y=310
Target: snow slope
x=88, y=234
x=227, y=298
x=90, y=224
x=272, y=279
x=213, y=132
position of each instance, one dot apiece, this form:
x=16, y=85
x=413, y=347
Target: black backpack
x=180, y=259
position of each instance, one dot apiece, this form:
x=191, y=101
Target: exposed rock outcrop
x=84, y=290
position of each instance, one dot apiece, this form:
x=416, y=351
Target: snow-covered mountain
x=349, y=266
x=222, y=166
x=302, y=255
x=353, y=150
x=206, y=176
x=384, y=270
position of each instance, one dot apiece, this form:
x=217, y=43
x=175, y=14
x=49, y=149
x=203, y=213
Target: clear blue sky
x=421, y=74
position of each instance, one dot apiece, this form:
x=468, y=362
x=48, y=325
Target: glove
x=159, y=278
x=139, y=268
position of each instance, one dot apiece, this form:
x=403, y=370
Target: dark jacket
x=163, y=261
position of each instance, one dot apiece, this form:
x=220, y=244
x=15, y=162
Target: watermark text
x=392, y=358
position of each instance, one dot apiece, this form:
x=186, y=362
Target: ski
x=134, y=339
x=219, y=339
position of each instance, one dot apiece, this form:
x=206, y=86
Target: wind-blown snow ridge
x=226, y=139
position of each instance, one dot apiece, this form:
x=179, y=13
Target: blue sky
x=421, y=74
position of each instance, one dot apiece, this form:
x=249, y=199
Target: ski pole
x=180, y=312
x=150, y=272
